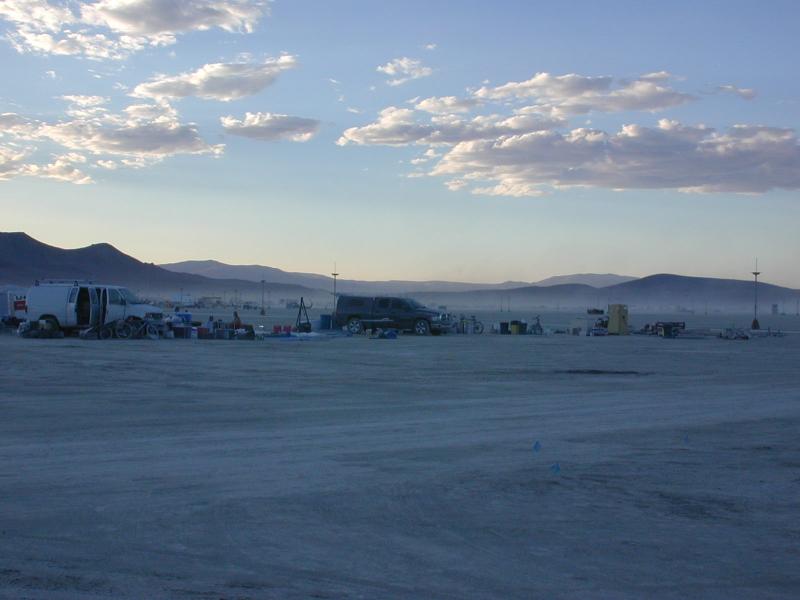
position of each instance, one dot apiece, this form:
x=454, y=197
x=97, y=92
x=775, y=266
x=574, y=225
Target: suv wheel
x=422, y=327
x=354, y=325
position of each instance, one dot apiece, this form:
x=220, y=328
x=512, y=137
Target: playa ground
x=439, y=467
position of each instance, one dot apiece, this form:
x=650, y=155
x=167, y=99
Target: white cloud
x=746, y=159
x=446, y=104
x=154, y=17
x=79, y=43
x=427, y=156
x=62, y=169
x=113, y=29
x=533, y=149
x=744, y=93
x=269, y=126
x=545, y=85
x=153, y=140
x=404, y=69
x=400, y=127
x=430, y=46
x=140, y=135
x=85, y=101
x=39, y=15
x=12, y=162
x=217, y=81
x=574, y=94
x=15, y=125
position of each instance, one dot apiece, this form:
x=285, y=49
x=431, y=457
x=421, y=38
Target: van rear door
x=72, y=309
x=96, y=312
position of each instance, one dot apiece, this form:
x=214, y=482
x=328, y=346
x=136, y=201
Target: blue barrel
x=325, y=322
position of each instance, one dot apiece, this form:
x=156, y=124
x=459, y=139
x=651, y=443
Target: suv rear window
x=354, y=301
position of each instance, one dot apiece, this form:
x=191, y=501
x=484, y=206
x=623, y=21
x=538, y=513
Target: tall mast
x=756, y=273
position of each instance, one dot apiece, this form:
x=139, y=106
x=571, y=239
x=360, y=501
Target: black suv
x=361, y=312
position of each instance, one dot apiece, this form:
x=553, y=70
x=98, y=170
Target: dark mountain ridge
x=24, y=260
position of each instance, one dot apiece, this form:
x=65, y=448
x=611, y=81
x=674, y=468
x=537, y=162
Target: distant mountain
x=662, y=292
x=695, y=292
x=593, y=279
x=23, y=260
x=213, y=268
x=255, y=273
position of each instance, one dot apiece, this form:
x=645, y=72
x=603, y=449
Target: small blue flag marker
x=537, y=446
x=556, y=469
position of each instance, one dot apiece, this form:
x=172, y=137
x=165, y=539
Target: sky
x=462, y=141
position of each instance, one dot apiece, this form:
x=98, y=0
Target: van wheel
x=354, y=325
x=422, y=327
x=52, y=324
x=105, y=333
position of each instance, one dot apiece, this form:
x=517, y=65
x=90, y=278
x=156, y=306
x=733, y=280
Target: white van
x=79, y=305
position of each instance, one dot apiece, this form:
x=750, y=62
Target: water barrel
x=504, y=327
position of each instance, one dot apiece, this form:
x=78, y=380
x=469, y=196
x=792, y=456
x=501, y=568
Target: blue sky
x=546, y=138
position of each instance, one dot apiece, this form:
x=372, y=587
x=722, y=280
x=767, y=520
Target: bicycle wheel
x=478, y=327
x=151, y=332
x=124, y=330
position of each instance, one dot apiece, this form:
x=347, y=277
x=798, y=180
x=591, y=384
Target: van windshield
x=129, y=296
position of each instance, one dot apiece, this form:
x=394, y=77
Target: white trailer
x=12, y=302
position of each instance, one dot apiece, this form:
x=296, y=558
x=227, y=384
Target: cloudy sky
x=428, y=140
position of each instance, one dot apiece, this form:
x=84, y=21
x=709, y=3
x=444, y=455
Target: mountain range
x=24, y=260
x=255, y=273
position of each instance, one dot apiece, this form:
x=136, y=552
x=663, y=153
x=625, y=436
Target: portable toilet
x=618, y=319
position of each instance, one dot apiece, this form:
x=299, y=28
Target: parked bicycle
x=136, y=329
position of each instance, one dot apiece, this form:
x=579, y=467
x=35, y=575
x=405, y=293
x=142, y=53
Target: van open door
x=83, y=307
x=97, y=312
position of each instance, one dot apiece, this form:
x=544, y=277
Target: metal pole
x=756, y=273
x=263, y=311
x=335, y=275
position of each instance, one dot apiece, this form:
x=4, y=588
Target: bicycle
x=136, y=329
